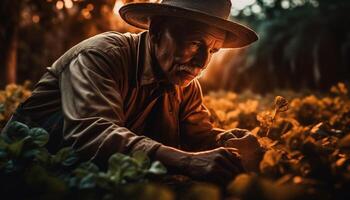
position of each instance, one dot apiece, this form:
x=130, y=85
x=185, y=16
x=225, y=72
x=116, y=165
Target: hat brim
x=139, y=15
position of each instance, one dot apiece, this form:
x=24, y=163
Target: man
x=138, y=92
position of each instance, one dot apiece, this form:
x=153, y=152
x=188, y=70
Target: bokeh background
x=304, y=44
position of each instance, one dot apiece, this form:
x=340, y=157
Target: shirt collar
x=146, y=72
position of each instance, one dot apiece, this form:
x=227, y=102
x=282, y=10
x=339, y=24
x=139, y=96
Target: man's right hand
x=218, y=165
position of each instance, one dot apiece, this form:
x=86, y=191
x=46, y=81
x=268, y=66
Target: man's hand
x=248, y=147
x=218, y=165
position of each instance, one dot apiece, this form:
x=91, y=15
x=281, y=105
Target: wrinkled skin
x=183, y=50
x=219, y=165
x=248, y=147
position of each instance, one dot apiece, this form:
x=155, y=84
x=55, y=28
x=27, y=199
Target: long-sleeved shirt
x=109, y=97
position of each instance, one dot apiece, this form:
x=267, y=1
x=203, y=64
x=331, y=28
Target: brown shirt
x=113, y=100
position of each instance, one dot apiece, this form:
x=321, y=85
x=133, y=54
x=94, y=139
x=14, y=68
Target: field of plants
x=306, y=136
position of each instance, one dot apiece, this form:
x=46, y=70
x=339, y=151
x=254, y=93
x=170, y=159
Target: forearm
x=174, y=159
x=218, y=165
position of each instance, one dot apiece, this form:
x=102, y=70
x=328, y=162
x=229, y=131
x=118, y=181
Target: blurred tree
x=303, y=44
x=9, y=19
x=33, y=33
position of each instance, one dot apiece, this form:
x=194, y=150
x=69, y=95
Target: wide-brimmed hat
x=212, y=12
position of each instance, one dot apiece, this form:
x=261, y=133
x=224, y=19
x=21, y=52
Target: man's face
x=184, y=48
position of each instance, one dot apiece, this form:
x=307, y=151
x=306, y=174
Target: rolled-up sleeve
x=197, y=131
x=92, y=106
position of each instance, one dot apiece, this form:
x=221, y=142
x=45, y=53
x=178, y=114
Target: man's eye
x=195, y=44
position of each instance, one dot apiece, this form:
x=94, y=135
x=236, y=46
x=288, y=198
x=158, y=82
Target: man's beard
x=184, y=74
x=186, y=69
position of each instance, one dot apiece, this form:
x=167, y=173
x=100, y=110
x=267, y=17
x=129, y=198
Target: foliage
x=302, y=44
x=307, y=155
x=42, y=30
x=307, y=146
x=28, y=170
x=10, y=98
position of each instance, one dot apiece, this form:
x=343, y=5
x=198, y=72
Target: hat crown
x=218, y=8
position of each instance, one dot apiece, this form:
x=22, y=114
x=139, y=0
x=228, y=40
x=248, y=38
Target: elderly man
x=138, y=92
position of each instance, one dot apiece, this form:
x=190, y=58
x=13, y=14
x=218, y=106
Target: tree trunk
x=9, y=25
x=11, y=58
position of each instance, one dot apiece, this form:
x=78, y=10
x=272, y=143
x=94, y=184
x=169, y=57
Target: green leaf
x=87, y=182
x=39, y=135
x=114, y=167
x=89, y=167
x=70, y=160
x=39, y=154
x=122, y=167
x=83, y=170
x=157, y=168
x=132, y=172
x=66, y=157
x=142, y=159
x=16, y=148
x=103, y=180
x=17, y=130
x=42, y=155
x=117, y=161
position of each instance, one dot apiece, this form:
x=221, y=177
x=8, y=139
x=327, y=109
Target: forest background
x=304, y=44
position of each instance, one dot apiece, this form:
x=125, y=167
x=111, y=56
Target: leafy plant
x=24, y=158
x=307, y=156
x=10, y=98
x=281, y=105
x=307, y=145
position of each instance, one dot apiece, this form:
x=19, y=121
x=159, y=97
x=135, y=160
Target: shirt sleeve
x=92, y=106
x=197, y=131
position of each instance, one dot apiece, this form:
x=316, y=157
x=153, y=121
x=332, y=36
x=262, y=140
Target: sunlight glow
x=90, y=7
x=314, y=3
x=285, y=4
x=59, y=5
x=68, y=3
x=36, y=18
x=269, y=2
x=118, y=4
x=241, y=4
x=247, y=12
x=256, y=8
